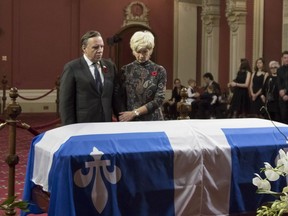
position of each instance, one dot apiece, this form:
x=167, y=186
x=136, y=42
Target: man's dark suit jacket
x=79, y=100
x=282, y=78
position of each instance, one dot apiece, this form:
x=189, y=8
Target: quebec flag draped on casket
x=161, y=168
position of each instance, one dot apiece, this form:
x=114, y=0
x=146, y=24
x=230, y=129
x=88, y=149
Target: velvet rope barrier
x=28, y=128
x=2, y=125
x=37, y=98
x=34, y=130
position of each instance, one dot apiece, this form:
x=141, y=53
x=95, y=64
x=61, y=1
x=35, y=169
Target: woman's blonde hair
x=275, y=63
x=142, y=40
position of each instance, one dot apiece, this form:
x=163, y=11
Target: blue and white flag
x=187, y=167
x=250, y=148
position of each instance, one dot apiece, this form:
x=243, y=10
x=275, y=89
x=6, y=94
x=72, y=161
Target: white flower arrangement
x=280, y=205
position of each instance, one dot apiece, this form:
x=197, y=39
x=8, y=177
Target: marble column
x=258, y=26
x=210, y=38
x=236, y=17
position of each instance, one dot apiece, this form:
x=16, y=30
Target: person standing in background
x=282, y=80
x=240, y=101
x=258, y=79
x=270, y=93
x=143, y=81
x=88, y=85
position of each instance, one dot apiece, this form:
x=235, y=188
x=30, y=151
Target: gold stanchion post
x=182, y=107
x=12, y=111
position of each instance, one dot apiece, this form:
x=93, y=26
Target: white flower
x=270, y=172
x=280, y=205
x=262, y=184
x=285, y=189
x=282, y=162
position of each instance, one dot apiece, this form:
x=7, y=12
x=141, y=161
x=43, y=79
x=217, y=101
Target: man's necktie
x=97, y=79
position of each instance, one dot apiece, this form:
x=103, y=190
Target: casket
x=184, y=167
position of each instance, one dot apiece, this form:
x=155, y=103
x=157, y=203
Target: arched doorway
x=119, y=45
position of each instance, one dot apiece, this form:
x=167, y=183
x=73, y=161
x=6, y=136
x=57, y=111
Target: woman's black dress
x=240, y=101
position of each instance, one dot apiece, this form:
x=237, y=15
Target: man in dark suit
x=282, y=79
x=88, y=85
x=206, y=107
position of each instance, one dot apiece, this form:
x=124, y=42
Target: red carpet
x=39, y=122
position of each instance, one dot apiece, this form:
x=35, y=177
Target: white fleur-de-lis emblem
x=99, y=193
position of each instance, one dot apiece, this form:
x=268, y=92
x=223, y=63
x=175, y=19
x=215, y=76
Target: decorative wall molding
x=210, y=14
x=235, y=6
x=236, y=13
x=209, y=22
x=136, y=13
x=210, y=17
x=197, y=2
x=236, y=18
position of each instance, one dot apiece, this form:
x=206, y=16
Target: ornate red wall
x=39, y=37
x=272, y=40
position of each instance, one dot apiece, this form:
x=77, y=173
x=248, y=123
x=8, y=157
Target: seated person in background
x=191, y=91
x=206, y=108
x=210, y=95
x=193, y=95
x=208, y=102
x=170, y=106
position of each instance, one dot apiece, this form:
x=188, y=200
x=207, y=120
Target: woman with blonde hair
x=143, y=81
x=270, y=94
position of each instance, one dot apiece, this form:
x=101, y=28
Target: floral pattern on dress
x=144, y=84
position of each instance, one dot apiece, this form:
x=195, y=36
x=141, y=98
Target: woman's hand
x=232, y=84
x=285, y=98
x=253, y=97
x=282, y=93
x=263, y=98
x=127, y=116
